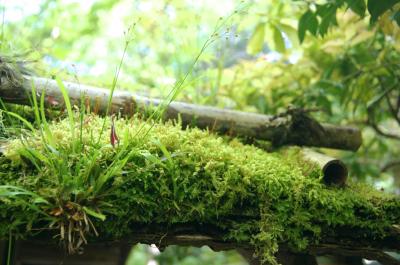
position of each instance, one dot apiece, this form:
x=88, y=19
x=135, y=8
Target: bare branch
x=379, y=131
x=392, y=109
x=389, y=165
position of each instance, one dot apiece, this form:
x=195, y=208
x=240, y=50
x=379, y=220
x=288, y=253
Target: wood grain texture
x=280, y=130
x=347, y=245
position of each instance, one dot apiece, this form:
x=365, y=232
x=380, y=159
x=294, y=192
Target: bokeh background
x=242, y=55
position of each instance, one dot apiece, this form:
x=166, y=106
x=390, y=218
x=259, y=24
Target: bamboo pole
x=294, y=128
x=334, y=170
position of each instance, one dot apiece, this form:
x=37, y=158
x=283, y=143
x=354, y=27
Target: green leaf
x=165, y=152
x=328, y=17
x=357, y=6
x=22, y=196
x=37, y=155
x=67, y=105
x=46, y=128
x=279, y=42
x=26, y=122
x=378, y=98
x=378, y=7
x=151, y=158
x=94, y=213
x=308, y=21
x=291, y=33
x=35, y=104
x=256, y=41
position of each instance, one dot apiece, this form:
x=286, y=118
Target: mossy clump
x=159, y=173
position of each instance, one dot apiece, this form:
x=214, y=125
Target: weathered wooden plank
x=292, y=128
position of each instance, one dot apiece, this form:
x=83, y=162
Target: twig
x=392, y=109
x=380, y=132
x=389, y=165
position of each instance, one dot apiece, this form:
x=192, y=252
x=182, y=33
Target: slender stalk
x=9, y=250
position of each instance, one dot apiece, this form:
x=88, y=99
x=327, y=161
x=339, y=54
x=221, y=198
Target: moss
x=168, y=175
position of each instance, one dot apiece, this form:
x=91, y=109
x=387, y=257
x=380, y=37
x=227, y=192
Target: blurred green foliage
x=143, y=254
x=347, y=63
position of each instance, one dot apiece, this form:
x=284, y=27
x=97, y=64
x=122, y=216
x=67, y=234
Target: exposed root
x=74, y=225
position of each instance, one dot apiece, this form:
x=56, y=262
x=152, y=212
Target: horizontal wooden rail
x=205, y=235
x=294, y=127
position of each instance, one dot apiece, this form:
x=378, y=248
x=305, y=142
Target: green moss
x=161, y=174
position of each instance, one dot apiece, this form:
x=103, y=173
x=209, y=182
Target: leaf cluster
x=320, y=17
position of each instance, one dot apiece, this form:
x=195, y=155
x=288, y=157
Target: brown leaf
x=56, y=211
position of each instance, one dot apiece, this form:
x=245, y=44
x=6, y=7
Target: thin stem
x=380, y=132
x=389, y=165
x=9, y=248
x=392, y=109
x=114, y=84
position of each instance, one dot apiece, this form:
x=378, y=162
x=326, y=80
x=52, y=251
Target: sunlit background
x=250, y=60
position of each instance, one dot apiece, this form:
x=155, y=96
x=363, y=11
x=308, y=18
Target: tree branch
x=389, y=165
x=379, y=131
x=392, y=109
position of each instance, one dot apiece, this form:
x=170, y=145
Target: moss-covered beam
x=293, y=128
x=68, y=178
x=195, y=236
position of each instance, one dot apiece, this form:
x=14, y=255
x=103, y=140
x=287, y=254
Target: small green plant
x=78, y=189
x=2, y=127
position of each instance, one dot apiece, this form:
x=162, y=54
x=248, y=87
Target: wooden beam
x=294, y=127
x=207, y=235
x=351, y=251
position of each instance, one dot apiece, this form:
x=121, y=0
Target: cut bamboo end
x=334, y=170
x=335, y=173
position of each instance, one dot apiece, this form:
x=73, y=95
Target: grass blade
x=46, y=128
x=94, y=213
x=67, y=105
x=35, y=105
x=24, y=121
